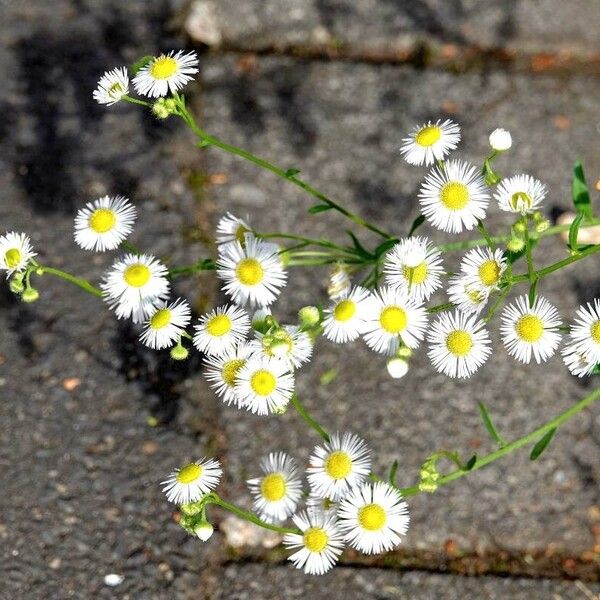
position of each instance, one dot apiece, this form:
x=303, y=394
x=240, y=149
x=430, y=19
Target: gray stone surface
x=388, y=25
x=246, y=582
x=80, y=463
x=342, y=125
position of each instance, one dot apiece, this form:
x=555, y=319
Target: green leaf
x=489, y=425
x=319, y=208
x=328, y=376
x=360, y=249
x=202, y=144
x=393, y=470
x=140, y=64
x=542, y=444
x=416, y=224
x=470, y=463
x=580, y=192
x=532, y=292
x=291, y=172
x=385, y=246
x=574, y=231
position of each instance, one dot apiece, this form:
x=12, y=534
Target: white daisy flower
x=430, y=142
x=288, y=343
x=232, y=229
x=253, y=273
x=454, y=196
x=191, y=482
x=582, y=352
x=264, y=385
x=166, y=73
x=415, y=266
x=222, y=372
x=345, y=319
x=468, y=295
x=277, y=491
x=113, y=85
x=458, y=344
x=221, y=329
x=500, y=140
x=15, y=252
x=338, y=465
x=484, y=266
x=520, y=194
x=530, y=331
x=104, y=223
x=134, y=285
x=393, y=318
x=166, y=324
x=339, y=283
x=320, y=544
x=373, y=517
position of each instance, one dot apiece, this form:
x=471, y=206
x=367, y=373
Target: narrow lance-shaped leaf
x=580, y=192
x=416, y=224
x=542, y=444
x=319, y=208
x=470, y=463
x=393, y=470
x=292, y=172
x=489, y=425
x=532, y=292
x=574, y=232
x=385, y=246
x=140, y=64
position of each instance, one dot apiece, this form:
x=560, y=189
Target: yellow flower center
x=338, y=465
x=595, y=331
x=263, y=383
x=249, y=271
x=393, y=319
x=115, y=89
x=489, y=272
x=161, y=318
x=137, y=275
x=372, y=517
x=415, y=275
x=454, y=195
x=102, y=220
x=521, y=200
x=530, y=328
x=315, y=539
x=231, y=369
x=459, y=342
x=344, y=310
x=12, y=258
x=163, y=67
x=428, y=136
x=189, y=473
x=273, y=487
x=219, y=325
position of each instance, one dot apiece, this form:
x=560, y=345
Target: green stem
x=136, y=101
x=84, y=284
x=246, y=515
x=282, y=173
x=203, y=265
x=312, y=422
x=534, y=436
x=307, y=240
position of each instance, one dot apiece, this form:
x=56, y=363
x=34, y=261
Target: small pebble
x=113, y=579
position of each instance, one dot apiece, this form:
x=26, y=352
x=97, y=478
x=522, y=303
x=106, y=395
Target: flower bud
x=397, y=367
x=404, y=352
x=179, y=352
x=204, y=530
x=160, y=110
x=339, y=282
x=30, y=295
x=309, y=316
x=515, y=245
x=259, y=319
x=16, y=284
x=414, y=257
x=542, y=225
x=500, y=140
x=520, y=226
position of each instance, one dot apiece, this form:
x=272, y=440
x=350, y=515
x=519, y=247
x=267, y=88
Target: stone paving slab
x=246, y=582
x=369, y=26
x=342, y=125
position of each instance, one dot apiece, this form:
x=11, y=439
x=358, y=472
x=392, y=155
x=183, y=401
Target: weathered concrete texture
x=342, y=126
x=246, y=582
x=80, y=465
x=391, y=25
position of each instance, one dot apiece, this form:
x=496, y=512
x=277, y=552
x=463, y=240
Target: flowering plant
x=379, y=294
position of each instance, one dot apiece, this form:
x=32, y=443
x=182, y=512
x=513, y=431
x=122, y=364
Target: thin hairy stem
x=312, y=422
x=84, y=284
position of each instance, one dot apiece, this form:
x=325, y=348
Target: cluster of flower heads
x=341, y=507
